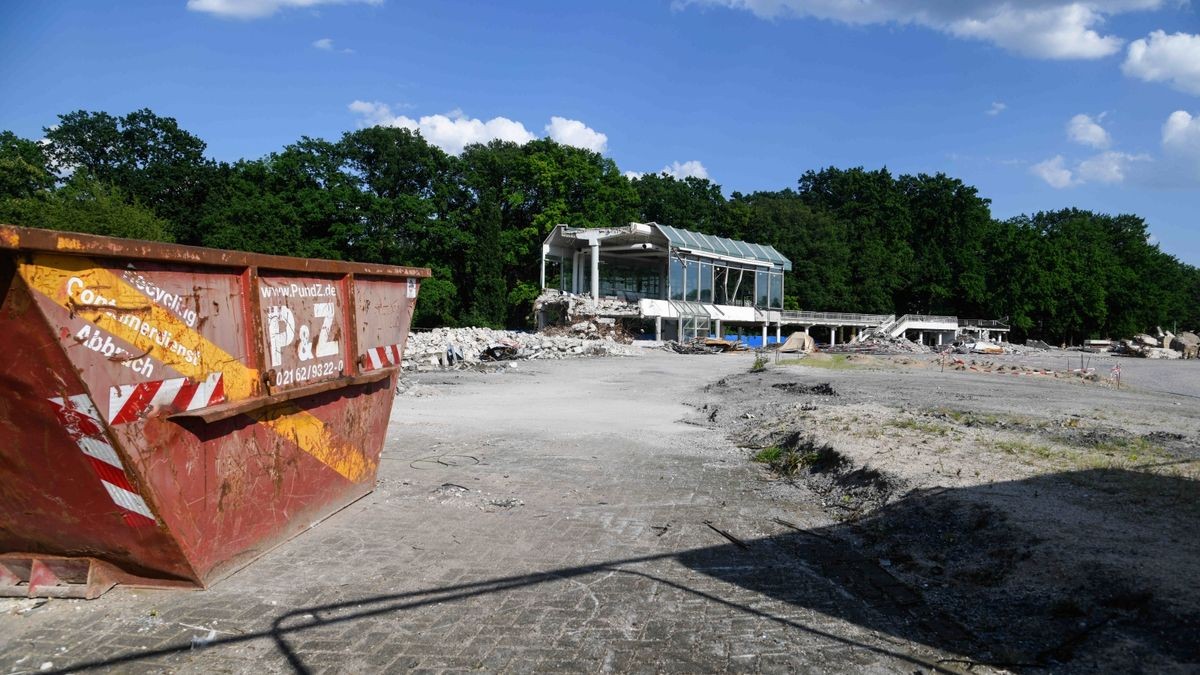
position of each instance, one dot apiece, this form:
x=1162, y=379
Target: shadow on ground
x=950, y=569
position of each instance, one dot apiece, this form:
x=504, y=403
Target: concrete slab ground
x=556, y=517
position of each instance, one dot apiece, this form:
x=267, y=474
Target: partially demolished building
x=680, y=285
x=685, y=283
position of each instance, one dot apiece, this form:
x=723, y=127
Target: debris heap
x=563, y=307
x=1150, y=347
x=467, y=347
x=1187, y=344
x=878, y=344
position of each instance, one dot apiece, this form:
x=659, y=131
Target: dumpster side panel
x=178, y=412
x=234, y=488
x=126, y=327
x=168, y=339
x=384, y=309
x=64, y=489
x=304, y=320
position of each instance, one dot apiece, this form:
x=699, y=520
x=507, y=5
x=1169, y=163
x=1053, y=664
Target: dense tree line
x=861, y=240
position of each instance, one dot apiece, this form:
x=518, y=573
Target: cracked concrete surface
x=576, y=543
x=562, y=516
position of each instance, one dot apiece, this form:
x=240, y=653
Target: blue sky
x=1041, y=104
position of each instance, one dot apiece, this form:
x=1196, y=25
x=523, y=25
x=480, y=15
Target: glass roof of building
x=722, y=246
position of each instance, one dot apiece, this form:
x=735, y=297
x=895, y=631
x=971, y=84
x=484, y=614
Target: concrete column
x=595, y=269
x=576, y=272
x=940, y=338
x=921, y=337
x=779, y=331
x=543, y=274
x=764, y=333
x=720, y=334
x=679, y=330
x=658, y=328
x=832, y=335
x=806, y=330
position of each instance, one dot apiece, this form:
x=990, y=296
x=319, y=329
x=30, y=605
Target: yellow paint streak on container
x=110, y=302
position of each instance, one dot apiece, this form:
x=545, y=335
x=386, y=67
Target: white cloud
x=451, y=132
x=1182, y=132
x=1054, y=172
x=373, y=113
x=326, y=44
x=1049, y=29
x=997, y=108
x=1174, y=59
x=1107, y=167
x=1181, y=144
x=1084, y=130
x=633, y=175
x=454, y=131
x=1178, y=166
x=257, y=9
x=689, y=169
x=576, y=134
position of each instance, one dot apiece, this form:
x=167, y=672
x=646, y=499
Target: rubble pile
x=1187, y=344
x=876, y=344
x=468, y=347
x=1136, y=347
x=1085, y=374
x=703, y=346
x=564, y=307
x=598, y=328
x=979, y=347
x=1165, y=346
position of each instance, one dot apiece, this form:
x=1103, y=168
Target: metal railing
x=984, y=323
x=794, y=316
x=927, y=318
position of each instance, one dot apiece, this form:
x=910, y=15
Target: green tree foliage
x=485, y=268
x=84, y=204
x=876, y=215
x=24, y=168
x=408, y=196
x=538, y=185
x=949, y=220
x=813, y=240
x=695, y=201
x=149, y=158
x=860, y=240
x=248, y=212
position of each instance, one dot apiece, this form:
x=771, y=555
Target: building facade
x=686, y=283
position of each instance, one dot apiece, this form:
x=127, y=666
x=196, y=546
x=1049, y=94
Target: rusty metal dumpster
x=168, y=413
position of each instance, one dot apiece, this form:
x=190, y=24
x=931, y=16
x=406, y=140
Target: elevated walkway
x=793, y=318
x=921, y=322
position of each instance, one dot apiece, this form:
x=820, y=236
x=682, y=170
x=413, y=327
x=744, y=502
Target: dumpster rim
x=17, y=238
x=221, y=411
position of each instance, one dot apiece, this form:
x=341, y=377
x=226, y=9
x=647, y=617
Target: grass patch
x=789, y=459
x=1026, y=449
x=1001, y=420
x=768, y=455
x=1133, y=448
x=922, y=427
x=826, y=361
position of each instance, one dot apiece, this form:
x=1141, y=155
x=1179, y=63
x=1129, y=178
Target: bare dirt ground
x=606, y=515
x=1053, y=521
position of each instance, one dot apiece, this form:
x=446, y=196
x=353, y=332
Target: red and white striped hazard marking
x=382, y=357
x=82, y=422
x=129, y=402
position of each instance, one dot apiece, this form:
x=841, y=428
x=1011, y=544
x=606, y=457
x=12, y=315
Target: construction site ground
x=605, y=515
